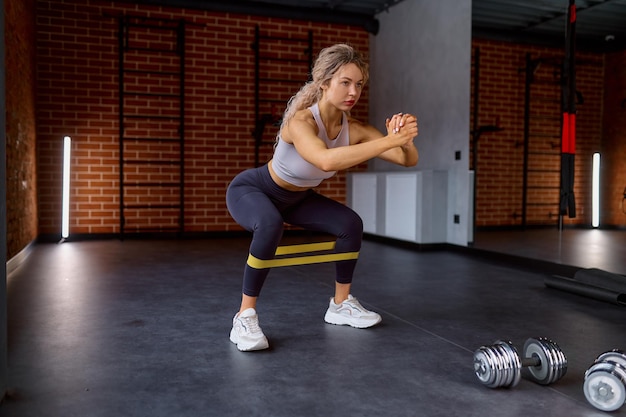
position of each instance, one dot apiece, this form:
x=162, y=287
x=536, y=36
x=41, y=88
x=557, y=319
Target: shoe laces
x=251, y=324
x=354, y=303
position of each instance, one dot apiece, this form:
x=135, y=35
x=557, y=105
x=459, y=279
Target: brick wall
x=500, y=155
x=613, y=173
x=21, y=182
x=77, y=95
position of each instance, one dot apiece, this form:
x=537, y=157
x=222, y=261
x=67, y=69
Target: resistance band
x=301, y=260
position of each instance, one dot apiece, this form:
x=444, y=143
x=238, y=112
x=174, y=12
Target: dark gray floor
x=583, y=248
x=140, y=328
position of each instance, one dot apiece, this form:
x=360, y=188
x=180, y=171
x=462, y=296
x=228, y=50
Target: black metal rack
x=275, y=56
x=151, y=124
x=541, y=148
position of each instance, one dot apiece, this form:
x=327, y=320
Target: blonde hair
x=328, y=62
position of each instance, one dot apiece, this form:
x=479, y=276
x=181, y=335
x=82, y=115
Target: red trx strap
x=567, y=203
x=568, y=137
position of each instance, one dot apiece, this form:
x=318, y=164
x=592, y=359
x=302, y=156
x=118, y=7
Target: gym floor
x=140, y=328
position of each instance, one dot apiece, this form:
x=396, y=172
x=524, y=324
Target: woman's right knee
x=265, y=239
x=269, y=229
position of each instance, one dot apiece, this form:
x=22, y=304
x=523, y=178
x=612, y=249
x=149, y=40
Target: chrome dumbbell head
x=552, y=363
x=605, y=381
x=498, y=365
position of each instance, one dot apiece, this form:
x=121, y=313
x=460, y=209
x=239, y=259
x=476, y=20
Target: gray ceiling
x=600, y=25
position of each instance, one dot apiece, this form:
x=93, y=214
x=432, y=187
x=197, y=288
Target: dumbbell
x=605, y=381
x=500, y=365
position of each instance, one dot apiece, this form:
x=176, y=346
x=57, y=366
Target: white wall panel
x=400, y=205
x=363, y=199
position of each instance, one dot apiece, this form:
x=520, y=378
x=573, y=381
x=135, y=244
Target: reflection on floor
x=583, y=248
x=140, y=328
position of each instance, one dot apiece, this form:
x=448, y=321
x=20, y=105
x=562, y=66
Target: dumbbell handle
x=532, y=361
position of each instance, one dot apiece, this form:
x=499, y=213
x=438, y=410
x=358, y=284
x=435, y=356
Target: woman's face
x=345, y=87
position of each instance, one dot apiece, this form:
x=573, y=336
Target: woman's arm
x=370, y=143
x=403, y=124
x=406, y=154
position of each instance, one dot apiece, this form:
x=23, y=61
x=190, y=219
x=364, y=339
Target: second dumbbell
x=605, y=381
x=500, y=365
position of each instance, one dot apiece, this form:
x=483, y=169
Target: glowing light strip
x=65, y=222
x=595, y=191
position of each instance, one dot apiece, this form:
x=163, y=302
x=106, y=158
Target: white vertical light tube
x=595, y=191
x=67, y=153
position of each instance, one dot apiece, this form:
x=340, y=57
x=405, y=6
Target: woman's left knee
x=352, y=225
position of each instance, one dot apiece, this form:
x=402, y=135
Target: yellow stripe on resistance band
x=302, y=260
x=306, y=247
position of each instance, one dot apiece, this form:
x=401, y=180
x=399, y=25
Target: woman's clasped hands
x=403, y=127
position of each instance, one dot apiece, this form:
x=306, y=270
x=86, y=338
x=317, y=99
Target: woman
x=317, y=138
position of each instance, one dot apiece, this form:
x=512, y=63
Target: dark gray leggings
x=260, y=206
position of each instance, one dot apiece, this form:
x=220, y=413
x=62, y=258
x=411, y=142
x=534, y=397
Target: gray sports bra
x=291, y=167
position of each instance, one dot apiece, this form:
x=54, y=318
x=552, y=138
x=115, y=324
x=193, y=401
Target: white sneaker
x=350, y=312
x=246, y=333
